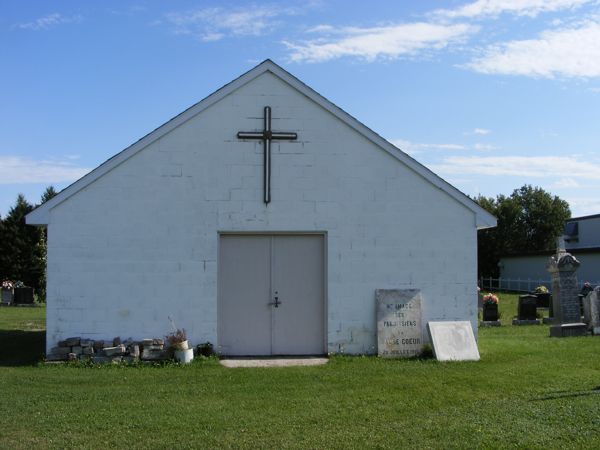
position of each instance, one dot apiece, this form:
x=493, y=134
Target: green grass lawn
x=528, y=391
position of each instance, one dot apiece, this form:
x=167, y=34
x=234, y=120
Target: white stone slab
x=453, y=341
x=399, y=331
x=272, y=362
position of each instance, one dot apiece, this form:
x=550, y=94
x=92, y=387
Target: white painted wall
x=140, y=243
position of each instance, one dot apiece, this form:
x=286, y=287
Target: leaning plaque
x=399, y=333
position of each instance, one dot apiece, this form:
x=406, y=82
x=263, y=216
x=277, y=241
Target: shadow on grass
x=21, y=348
x=566, y=394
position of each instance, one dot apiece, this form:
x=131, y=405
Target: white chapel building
x=262, y=219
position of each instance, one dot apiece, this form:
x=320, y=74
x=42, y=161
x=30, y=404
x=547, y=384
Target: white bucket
x=184, y=356
x=181, y=345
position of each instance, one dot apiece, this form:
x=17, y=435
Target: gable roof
x=40, y=215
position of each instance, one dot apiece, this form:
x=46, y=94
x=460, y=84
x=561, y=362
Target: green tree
x=19, y=243
x=41, y=250
x=48, y=194
x=529, y=220
x=23, y=247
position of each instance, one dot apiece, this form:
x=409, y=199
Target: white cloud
x=213, y=24
x=567, y=52
x=413, y=148
x=17, y=170
x=583, y=206
x=564, y=183
x=487, y=8
x=478, y=131
x=525, y=166
x=484, y=147
x=49, y=21
x=386, y=42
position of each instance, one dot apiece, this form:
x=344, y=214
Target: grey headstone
x=399, y=331
x=98, y=345
x=87, y=350
x=86, y=342
x=587, y=310
x=453, y=341
x=527, y=308
x=594, y=297
x=158, y=342
x=116, y=341
x=565, y=292
x=7, y=296
x=147, y=342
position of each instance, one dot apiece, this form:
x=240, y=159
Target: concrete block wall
x=141, y=243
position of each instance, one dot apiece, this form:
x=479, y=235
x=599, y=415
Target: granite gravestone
x=565, y=295
x=453, y=341
x=7, y=296
x=594, y=298
x=527, y=310
x=399, y=331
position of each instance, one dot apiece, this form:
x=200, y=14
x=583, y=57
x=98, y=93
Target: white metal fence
x=519, y=285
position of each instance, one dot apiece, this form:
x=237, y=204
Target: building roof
x=593, y=216
x=40, y=215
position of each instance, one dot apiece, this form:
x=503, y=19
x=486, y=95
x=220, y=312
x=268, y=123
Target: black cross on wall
x=266, y=136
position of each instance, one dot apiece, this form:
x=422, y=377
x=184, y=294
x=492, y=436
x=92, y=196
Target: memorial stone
x=565, y=294
x=594, y=298
x=7, y=296
x=23, y=296
x=453, y=341
x=527, y=310
x=399, y=331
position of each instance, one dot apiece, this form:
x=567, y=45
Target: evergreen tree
x=23, y=247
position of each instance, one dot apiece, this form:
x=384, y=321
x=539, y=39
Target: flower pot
x=180, y=345
x=184, y=356
x=490, y=312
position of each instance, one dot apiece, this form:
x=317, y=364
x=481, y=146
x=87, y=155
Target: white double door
x=271, y=295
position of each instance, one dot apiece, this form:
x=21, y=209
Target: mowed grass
x=528, y=391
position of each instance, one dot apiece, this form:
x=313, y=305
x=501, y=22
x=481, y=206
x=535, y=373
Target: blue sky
x=488, y=94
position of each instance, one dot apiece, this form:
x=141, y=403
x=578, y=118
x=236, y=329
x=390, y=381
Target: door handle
x=275, y=303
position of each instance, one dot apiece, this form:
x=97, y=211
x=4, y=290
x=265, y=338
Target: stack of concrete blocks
x=102, y=352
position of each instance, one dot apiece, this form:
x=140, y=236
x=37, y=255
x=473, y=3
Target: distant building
x=582, y=239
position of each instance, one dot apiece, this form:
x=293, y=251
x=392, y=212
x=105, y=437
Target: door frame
x=274, y=233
